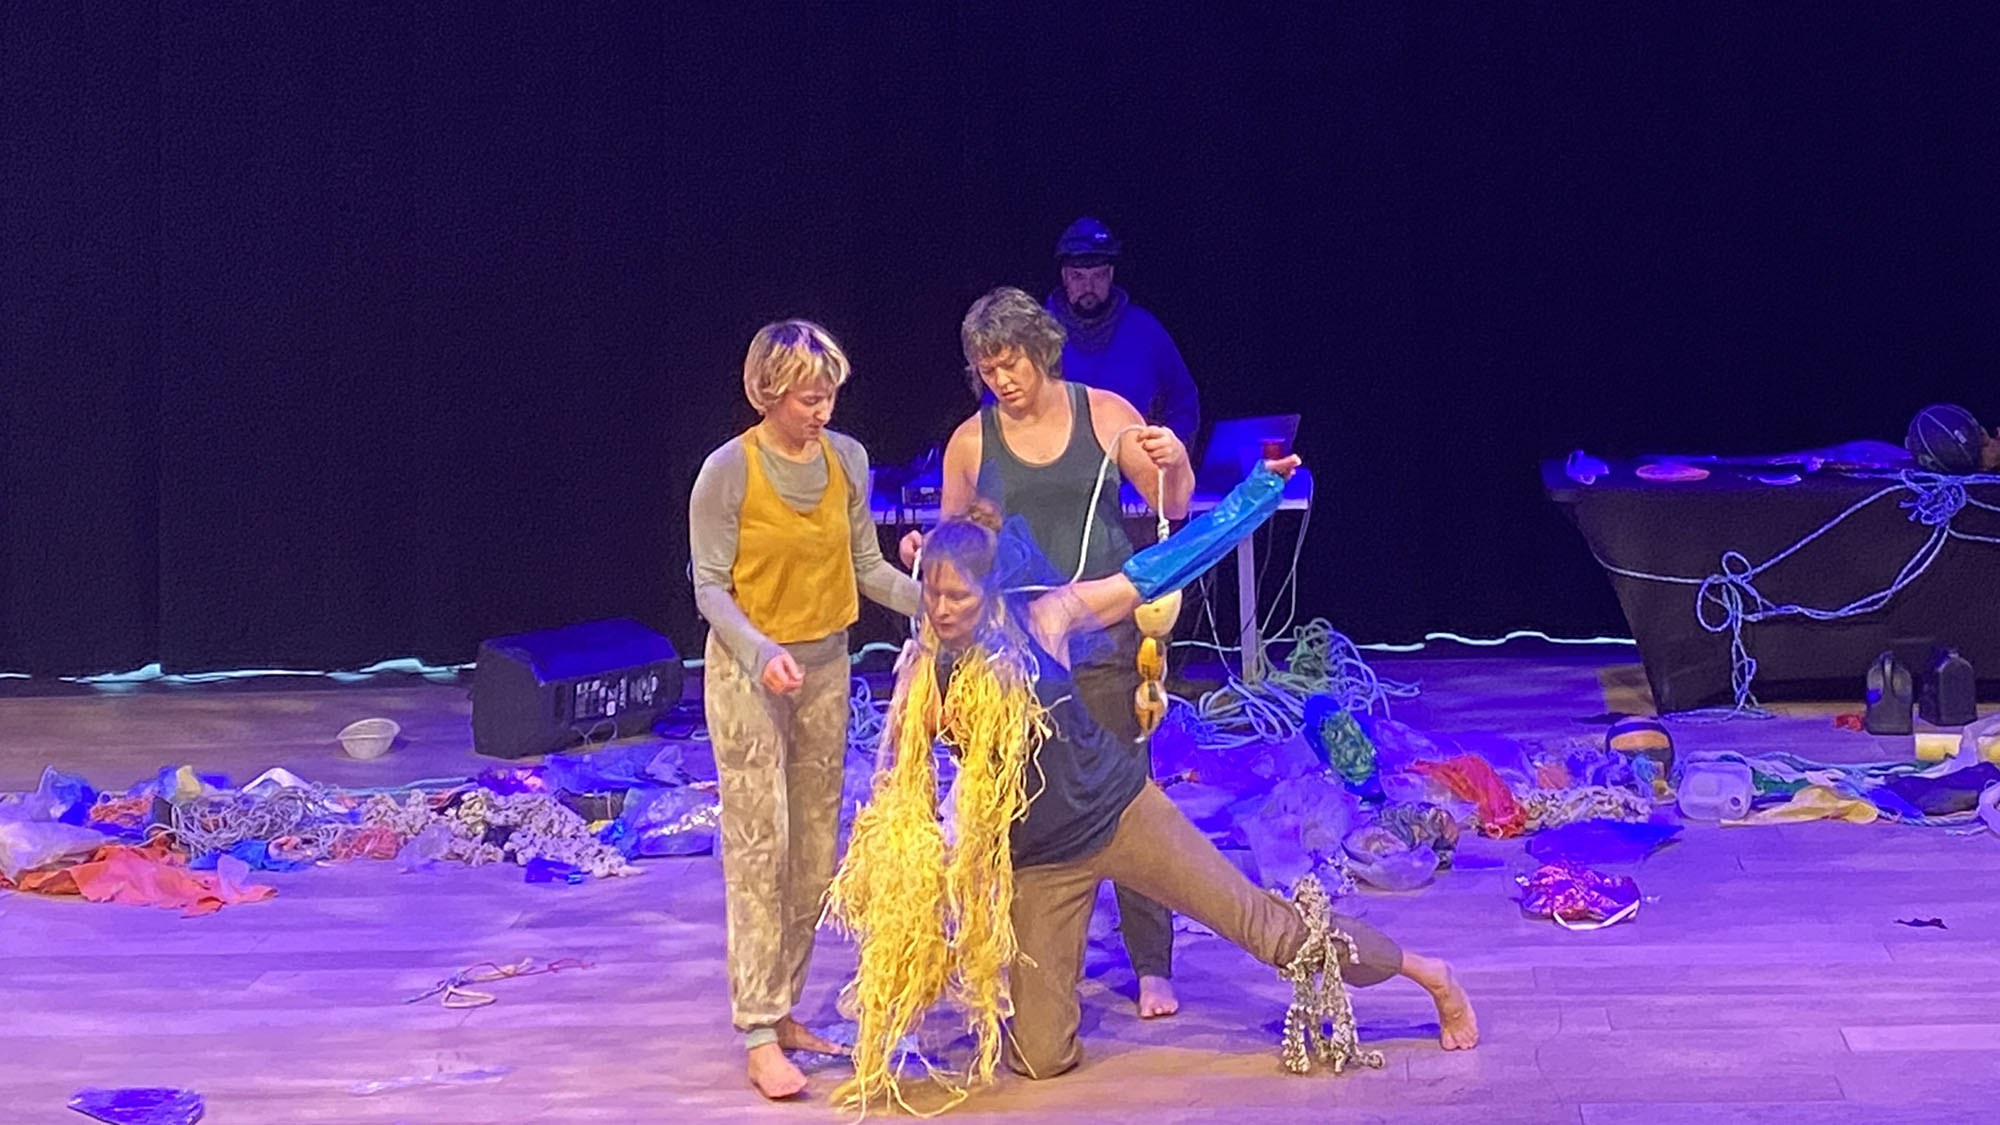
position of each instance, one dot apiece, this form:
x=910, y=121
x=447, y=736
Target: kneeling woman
x=1047, y=807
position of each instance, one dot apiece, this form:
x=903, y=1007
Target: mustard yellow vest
x=794, y=571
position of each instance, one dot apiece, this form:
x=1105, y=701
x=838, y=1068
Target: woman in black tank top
x=1041, y=456
x=1054, y=497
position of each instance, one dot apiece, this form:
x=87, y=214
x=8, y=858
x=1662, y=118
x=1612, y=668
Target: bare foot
x=1458, y=1027
x=795, y=1036
x=773, y=1074
x=1156, y=998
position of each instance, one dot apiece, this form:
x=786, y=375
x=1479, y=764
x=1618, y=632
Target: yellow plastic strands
x=889, y=894
x=997, y=724
x=932, y=921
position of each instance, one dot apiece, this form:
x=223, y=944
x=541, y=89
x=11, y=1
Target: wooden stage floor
x=1766, y=978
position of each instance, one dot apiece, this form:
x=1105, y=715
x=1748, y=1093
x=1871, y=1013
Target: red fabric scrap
x=371, y=841
x=1471, y=778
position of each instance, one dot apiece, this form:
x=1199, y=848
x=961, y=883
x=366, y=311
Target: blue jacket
x=1129, y=353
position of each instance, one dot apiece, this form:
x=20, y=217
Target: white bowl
x=369, y=738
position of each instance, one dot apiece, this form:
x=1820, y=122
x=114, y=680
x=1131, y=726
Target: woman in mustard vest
x=782, y=545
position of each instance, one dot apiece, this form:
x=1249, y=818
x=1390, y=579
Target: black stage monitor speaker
x=536, y=693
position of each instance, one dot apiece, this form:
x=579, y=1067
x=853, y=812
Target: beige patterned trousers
x=778, y=760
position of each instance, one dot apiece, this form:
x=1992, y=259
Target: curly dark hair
x=1005, y=319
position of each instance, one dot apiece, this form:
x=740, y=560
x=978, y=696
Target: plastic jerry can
x=1948, y=694
x=1716, y=790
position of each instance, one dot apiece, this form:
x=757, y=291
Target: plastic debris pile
x=190, y=842
x=1362, y=800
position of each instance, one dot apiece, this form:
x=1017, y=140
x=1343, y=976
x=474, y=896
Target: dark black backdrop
x=333, y=332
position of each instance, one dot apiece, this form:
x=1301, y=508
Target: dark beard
x=1085, y=312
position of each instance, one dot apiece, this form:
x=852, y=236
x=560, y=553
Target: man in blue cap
x=1113, y=344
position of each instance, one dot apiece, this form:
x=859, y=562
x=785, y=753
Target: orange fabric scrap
x=1471, y=778
x=145, y=876
x=124, y=812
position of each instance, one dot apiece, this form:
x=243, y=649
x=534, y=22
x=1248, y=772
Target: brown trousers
x=1158, y=853
x=778, y=761
x=1106, y=687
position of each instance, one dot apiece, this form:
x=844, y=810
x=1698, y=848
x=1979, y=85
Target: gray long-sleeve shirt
x=714, y=514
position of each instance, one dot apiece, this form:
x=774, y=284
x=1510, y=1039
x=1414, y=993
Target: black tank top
x=1082, y=778
x=1052, y=498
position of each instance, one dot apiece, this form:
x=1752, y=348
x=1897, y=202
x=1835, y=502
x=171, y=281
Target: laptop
x=1237, y=444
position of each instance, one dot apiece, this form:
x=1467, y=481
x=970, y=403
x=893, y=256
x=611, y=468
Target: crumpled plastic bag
x=426, y=849
x=61, y=797
x=139, y=1106
x=1299, y=825
x=655, y=822
x=1507, y=756
x=639, y=766
x=1380, y=857
x=1277, y=761
x=1398, y=745
x=1408, y=787
x=30, y=845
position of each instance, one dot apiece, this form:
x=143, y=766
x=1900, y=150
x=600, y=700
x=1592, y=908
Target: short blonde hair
x=786, y=354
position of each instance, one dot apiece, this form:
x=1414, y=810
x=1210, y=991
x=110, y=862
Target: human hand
x=1285, y=467
x=1162, y=447
x=908, y=547
x=782, y=674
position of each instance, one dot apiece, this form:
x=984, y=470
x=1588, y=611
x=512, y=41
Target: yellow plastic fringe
x=933, y=922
